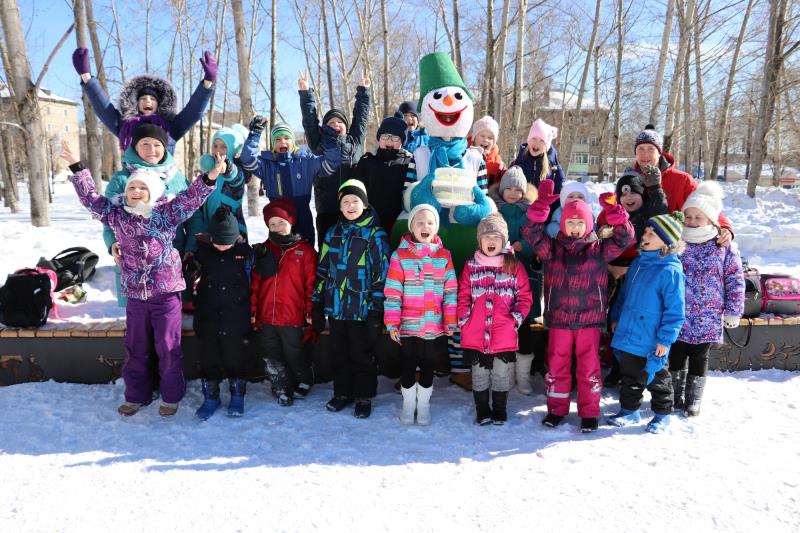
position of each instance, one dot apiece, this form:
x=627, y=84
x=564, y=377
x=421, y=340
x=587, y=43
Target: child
x=384, y=172
x=145, y=222
x=646, y=320
x=280, y=306
x=421, y=293
x=538, y=157
x=286, y=172
x=226, y=142
x=222, y=311
x=494, y=298
x=572, y=190
x=483, y=137
x=146, y=99
x=351, y=142
x=576, y=277
x=714, y=295
x=349, y=290
x=513, y=195
x=416, y=135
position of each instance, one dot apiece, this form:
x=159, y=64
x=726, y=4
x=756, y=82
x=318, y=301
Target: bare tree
x=93, y=147
x=699, y=24
x=487, y=92
x=519, y=69
x=618, y=83
x=273, y=74
x=662, y=62
x=385, y=32
x=118, y=40
x=677, y=76
x=457, y=38
x=25, y=99
x=500, y=61
x=324, y=22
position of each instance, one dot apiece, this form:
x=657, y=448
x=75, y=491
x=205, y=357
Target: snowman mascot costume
x=446, y=108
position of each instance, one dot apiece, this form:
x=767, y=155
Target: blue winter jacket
x=650, y=307
x=532, y=166
x=292, y=174
x=229, y=191
x=352, y=268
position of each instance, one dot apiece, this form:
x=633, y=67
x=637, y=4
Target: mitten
x=266, y=264
x=652, y=176
x=731, y=321
x=318, y=317
x=422, y=193
x=614, y=213
x=80, y=60
x=310, y=335
x=209, y=66
x=327, y=131
x=540, y=209
x=471, y=215
x=257, y=124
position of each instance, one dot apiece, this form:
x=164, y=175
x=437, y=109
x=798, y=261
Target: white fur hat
x=571, y=187
x=153, y=181
x=708, y=199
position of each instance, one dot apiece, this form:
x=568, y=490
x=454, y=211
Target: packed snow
x=70, y=463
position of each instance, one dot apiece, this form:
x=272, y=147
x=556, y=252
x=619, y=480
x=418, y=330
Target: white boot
x=409, y=404
x=424, y=405
x=524, y=362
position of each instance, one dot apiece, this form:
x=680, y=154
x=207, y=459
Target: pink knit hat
x=544, y=131
x=577, y=209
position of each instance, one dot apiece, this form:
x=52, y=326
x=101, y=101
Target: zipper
x=600, y=295
x=549, y=293
x=275, y=292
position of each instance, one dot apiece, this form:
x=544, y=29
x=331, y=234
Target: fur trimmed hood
x=167, y=100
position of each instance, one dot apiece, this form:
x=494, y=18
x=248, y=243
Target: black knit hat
x=147, y=91
x=392, y=126
x=147, y=129
x=223, y=227
x=356, y=187
x=408, y=107
x=630, y=181
x=338, y=113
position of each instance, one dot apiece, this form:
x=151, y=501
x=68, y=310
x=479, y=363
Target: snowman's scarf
x=446, y=153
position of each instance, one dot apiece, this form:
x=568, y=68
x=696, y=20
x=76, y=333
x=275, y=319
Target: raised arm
x=361, y=108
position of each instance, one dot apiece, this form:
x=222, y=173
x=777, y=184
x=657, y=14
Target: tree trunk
x=342, y=64
x=769, y=88
x=457, y=38
x=500, y=67
x=324, y=22
x=724, y=112
x=519, y=72
x=147, y=8
x=701, y=99
x=662, y=62
x=118, y=40
x=487, y=91
x=246, y=110
x=93, y=147
x=687, y=118
x=10, y=199
x=385, y=31
x=675, y=89
x=618, y=83
x=273, y=74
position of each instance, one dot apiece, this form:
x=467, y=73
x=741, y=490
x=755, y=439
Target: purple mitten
x=209, y=66
x=80, y=60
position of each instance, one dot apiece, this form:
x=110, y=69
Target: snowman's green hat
x=438, y=70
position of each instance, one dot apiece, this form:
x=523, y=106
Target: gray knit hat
x=493, y=223
x=514, y=177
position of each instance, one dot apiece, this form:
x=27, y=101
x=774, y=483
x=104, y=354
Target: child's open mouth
x=629, y=205
x=424, y=234
x=447, y=119
x=283, y=149
x=491, y=248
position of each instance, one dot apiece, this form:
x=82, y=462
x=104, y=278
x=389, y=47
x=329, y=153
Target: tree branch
x=50, y=58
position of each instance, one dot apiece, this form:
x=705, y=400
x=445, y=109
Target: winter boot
x=301, y=391
x=483, y=414
x=625, y=417
x=238, y=388
x=363, y=408
x=694, y=394
x=658, y=424
x=409, y=404
x=523, y=371
x=167, y=409
x=499, y=401
x=424, y=405
x=552, y=420
x=678, y=385
x=588, y=425
x=284, y=398
x=211, y=399
x=337, y=403
x=130, y=408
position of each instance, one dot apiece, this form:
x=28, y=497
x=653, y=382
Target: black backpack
x=753, y=296
x=72, y=266
x=25, y=299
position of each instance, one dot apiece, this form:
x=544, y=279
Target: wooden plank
x=27, y=333
x=8, y=333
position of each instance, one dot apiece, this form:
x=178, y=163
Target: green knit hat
x=438, y=70
x=669, y=228
x=280, y=128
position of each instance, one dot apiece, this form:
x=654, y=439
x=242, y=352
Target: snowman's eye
x=458, y=96
x=437, y=95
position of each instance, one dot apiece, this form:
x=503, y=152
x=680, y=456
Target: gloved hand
x=327, y=131
x=374, y=325
x=266, y=264
x=209, y=66
x=318, y=317
x=422, y=193
x=471, y=215
x=80, y=60
x=258, y=124
x=615, y=214
x=651, y=176
x=540, y=209
x=731, y=322
x=310, y=335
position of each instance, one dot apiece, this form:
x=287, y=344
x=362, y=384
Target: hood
x=167, y=100
x=577, y=245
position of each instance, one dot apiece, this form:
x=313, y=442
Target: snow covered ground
x=70, y=463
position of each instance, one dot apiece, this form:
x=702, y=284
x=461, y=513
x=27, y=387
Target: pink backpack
x=781, y=294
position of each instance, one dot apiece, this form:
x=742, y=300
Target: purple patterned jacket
x=150, y=265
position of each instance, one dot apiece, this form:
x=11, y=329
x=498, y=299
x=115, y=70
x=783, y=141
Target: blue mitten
x=422, y=193
x=471, y=215
x=653, y=365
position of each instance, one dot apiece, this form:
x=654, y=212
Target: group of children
x=677, y=279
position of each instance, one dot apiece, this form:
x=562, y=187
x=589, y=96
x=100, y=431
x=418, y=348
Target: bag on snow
x=27, y=297
x=781, y=294
x=752, y=293
x=72, y=266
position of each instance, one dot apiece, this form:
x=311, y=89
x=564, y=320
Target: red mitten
x=614, y=213
x=538, y=211
x=310, y=335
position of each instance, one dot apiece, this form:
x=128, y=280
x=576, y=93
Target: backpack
x=27, y=297
x=72, y=266
x=752, y=292
x=781, y=294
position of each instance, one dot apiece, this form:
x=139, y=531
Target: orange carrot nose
x=448, y=100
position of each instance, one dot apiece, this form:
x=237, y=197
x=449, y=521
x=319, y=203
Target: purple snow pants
x=155, y=321
x=587, y=369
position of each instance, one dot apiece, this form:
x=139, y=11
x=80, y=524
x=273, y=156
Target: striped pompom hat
x=668, y=227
